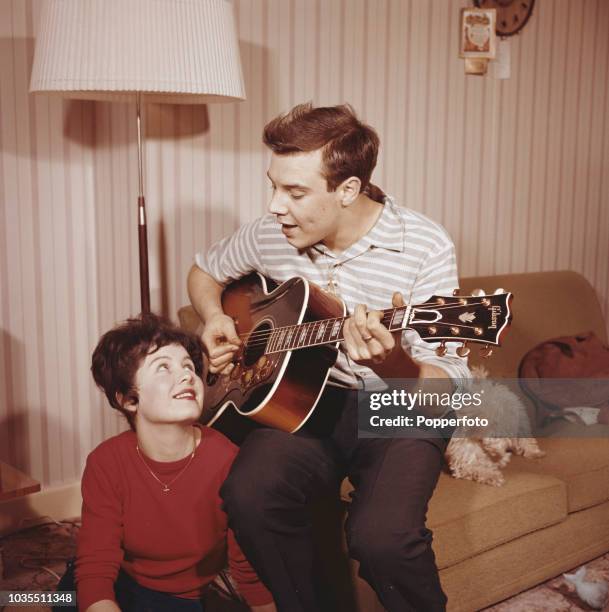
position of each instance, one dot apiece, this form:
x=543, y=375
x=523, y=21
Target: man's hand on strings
x=221, y=343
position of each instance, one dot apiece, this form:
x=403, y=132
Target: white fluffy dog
x=479, y=453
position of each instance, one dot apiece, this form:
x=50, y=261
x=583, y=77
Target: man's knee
x=237, y=492
x=258, y=481
x=247, y=488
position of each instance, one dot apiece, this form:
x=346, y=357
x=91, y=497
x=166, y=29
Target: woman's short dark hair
x=121, y=351
x=349, y=146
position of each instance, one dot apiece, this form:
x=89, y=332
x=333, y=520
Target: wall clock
x=512, y=15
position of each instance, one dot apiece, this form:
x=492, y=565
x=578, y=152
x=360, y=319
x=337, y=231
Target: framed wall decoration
x=478, y=39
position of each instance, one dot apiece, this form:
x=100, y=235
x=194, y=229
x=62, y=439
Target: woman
x=154, y=534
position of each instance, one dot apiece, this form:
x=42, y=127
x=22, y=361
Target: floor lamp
x=164, y=51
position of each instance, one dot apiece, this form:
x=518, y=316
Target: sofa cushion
x=468, y=518
x=582, y=463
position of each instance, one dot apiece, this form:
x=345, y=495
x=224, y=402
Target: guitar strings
x=386, y=313
x=264, y=340
x=264, y=334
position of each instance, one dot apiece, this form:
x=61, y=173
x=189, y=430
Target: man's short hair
x=349, y=147
x=121, y=351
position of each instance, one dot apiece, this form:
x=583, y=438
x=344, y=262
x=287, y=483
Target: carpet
x=34, y=559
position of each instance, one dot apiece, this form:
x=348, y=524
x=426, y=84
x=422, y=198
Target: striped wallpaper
x=517, y=170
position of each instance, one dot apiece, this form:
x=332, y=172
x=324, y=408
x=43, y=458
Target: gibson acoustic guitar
x=290, y=336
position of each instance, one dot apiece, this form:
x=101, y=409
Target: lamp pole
x=141, y=217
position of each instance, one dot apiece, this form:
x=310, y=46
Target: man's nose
x=278, y=204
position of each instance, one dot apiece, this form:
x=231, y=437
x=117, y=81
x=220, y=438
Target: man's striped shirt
x=405, y=251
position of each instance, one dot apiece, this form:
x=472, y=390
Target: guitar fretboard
x=479, y=319
x=315, y=333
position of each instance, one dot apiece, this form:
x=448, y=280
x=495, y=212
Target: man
x=327, y=222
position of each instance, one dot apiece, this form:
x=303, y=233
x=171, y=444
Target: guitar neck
x=477, y=318
x=327, y=331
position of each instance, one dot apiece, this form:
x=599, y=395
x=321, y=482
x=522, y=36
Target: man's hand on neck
x=368, y=342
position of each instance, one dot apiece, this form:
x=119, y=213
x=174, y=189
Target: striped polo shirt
x=404, y=251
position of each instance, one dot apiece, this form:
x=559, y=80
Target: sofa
x=551, y=514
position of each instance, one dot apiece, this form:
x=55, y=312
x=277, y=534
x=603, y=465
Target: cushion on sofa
x=468, y=518
x=581, y=463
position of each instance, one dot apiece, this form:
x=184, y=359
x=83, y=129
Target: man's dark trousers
x=277, y=474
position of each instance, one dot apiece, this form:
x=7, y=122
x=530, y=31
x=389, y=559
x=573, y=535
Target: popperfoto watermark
x=486, y=407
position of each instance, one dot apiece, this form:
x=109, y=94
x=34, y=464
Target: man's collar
x=387, y=233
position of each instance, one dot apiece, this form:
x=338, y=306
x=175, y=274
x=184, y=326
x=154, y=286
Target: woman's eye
x=163, y=367
x=190, y=366
x=297, y=196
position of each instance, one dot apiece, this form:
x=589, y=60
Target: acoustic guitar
x=290, y=337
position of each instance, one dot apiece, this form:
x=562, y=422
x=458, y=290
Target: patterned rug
x=556, y=595
x=34, y=559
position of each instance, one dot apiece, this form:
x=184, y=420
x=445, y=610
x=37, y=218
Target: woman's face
x=169, y=390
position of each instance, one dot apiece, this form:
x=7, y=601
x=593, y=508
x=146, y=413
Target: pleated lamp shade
x=171, y=51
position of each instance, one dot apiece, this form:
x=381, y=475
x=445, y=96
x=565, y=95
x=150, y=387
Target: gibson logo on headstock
x=495, y=313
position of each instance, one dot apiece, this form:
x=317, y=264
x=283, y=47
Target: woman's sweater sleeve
x=99, y=543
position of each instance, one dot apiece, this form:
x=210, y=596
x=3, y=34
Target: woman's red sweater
x=173, y=542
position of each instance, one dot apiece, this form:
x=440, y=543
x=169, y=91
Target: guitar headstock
x=476, y=318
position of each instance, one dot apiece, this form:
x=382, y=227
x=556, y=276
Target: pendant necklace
x=166, y=485
x=331, y=285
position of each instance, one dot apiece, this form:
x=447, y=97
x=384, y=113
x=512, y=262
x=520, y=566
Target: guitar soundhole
x=256, y=344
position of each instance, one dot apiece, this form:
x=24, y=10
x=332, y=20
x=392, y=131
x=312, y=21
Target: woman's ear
x=127, y=402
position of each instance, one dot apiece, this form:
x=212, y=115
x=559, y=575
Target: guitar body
x=290, y=336
x=273, y=389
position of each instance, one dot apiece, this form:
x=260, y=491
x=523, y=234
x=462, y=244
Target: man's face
x=301, y=202
x=168, y=387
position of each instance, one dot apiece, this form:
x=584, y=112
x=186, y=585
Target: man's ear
x=127, y=402
x=348, y=190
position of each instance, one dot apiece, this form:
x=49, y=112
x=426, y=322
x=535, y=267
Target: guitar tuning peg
x=456, y=292
x=499, y=290
x=478, y=292
x=441, y=350
x=463, y=350
x=486, y=351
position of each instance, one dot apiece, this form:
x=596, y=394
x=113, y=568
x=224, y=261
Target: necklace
x=331, y=285
x=165, y=485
